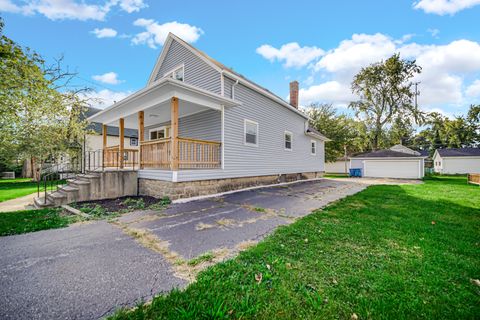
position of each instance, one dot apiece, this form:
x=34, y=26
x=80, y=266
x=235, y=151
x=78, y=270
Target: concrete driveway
x=88, y=270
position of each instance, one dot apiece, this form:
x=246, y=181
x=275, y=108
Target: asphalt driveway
x=88, y=270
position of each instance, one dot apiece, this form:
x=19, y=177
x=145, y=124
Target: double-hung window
x=313, y=146
x=160, y=133
x=251, y=132
x=288, y=140
x=177, y=73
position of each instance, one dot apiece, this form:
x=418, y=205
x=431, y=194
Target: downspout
x=233, y=89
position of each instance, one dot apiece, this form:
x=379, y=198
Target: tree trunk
x=26, y=171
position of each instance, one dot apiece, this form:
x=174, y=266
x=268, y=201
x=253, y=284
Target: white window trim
x=315, y=143
x=245, y=133
x=285, y=140
x=180, y=66
x=157, y=129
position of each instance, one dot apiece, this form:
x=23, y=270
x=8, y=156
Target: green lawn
x=32, y=220
x=389, y=252
x=14, y=188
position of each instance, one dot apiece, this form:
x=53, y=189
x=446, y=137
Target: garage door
x=392, y=169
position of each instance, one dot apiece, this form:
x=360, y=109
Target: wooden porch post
x=121, y=136
x=141, y=135
x=104, y=132
x=174, y=133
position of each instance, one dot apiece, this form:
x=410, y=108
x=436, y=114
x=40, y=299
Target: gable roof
x=459, y=152
x=316, y=134
x=222, y=69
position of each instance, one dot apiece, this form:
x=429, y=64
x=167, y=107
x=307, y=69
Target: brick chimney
x=294, y=94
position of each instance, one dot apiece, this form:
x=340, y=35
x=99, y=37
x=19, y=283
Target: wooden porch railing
x=474, y=178
x=156, y=153
x=112, y=157
x=199, y=154
x=193, y=154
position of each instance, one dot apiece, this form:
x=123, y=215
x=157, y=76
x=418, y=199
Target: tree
x=385, y=91
x=342, y=130
x=39, y=115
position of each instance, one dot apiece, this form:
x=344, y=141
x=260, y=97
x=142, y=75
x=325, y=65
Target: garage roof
x=386, y=153
x=459, y=152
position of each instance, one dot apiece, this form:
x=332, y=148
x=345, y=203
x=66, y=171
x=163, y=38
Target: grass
x=389, y=252
x=32, y=220
x=14, y=188
x=208, y=256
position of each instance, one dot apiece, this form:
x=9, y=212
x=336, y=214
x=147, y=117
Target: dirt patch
x=123, y=204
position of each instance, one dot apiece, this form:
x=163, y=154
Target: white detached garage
x=390, y=163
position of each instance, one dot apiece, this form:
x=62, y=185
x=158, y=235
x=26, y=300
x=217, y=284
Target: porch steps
x=91, y=186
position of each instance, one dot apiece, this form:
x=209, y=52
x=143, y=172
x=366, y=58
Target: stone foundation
x=187, y=189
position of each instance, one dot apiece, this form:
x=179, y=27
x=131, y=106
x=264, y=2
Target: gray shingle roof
x=387, y=153
x=315, y=131
x=459, y=152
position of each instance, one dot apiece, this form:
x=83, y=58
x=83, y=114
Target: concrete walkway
x=22, y=203
x=87, y=271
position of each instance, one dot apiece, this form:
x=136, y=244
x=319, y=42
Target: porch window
x=313, y=147
x=160, y=133
x=288, y=140
x=251, y=132
x=177, y=73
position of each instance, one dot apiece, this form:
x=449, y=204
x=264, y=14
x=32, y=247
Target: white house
x=457, y=160
x=397, y=162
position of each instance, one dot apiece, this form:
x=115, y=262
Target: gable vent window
x=288, y=140
x=251, y=133
x=177, y=73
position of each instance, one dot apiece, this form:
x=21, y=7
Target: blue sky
x=113, y=44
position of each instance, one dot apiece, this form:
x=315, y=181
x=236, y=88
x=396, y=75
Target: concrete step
x=39, y=203
x=77, y=182
x=68, y=188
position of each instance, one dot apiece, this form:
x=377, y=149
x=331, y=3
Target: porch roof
x=159, y=93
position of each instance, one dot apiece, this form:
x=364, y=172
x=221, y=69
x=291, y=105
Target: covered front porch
x=180, y=127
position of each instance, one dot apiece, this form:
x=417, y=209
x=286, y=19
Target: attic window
x=176, y=73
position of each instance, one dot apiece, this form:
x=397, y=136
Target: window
x=133, y=142
x=313, y=147
x=288, y=140
x=160, y=133
x=177, y=73
x=251, y=132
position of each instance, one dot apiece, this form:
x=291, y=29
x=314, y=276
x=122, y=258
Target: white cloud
x=104, y=33
x=434, y=32
x=132, y=5
x=473, y=90
x=291, y=53
x=104, y=98
x=443, y=7
x=444, y=68
x=326, y=92
x=156, y=34
x=70, y=9
x=108, y=78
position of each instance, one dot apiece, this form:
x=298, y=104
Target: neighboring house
x=201, y=121
x=397, y=162
x=457, y=160
x=94, y=140
x=341, y=165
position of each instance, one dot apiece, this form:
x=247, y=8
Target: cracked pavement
x=88, y=270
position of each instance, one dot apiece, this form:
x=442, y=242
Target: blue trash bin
x=356, y=172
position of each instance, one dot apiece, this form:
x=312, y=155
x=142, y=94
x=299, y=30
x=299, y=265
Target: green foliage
x=165, y=201
x=389, y=252
x=39, y=115
x=386, y=94
x=205, y=257
x=134, y=204
x=96, y=211
x=32, y=220
x=341, y=129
